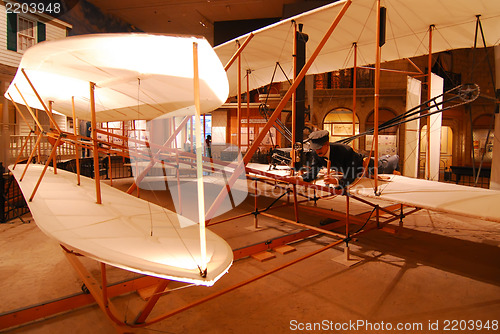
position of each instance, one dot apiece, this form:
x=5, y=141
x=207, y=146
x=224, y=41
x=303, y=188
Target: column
x=412, y=139
x=495, y=163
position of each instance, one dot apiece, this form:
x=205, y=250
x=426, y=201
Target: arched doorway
x=339, y=123
x=388, y=138
x=480, y=128
x=446, y=149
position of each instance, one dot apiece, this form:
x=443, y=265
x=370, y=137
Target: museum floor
x=440, y=269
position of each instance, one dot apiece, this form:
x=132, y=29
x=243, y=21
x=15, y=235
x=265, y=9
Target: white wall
x=55, y=29
x=412, y=138
x=437, y=85
x=495, y=163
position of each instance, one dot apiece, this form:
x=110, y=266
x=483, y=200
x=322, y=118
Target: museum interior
x=187, y=166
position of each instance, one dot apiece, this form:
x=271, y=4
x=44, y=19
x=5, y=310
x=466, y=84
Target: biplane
x=116, y=77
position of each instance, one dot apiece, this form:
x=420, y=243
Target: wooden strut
x=29, y=109
x=415, y=66
x=77, y=147
x=110, y=168
x=238, y=110
x=376, y=101
x=199, y=164
x=248, y=107
x=295, y=203
x=347, y=215
x=20, y=113
x=178, y=171
x=293, y=222
x=97, y=175
x=52, y=155
x=294, y=98
x=54, y=158
x=39, y=155
x=238, y=52
x=23, y=147
x=47, y=111
x=148, y=307
x=39, y=137
x=60, y=135
x=40, y=133
x=256, y=208
x=282, y=240
x=418, y=73
x=429, y=94
x=97, y=292
x=354, y=92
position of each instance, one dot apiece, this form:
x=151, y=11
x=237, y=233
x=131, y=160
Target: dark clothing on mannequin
x=387, y=164
x=343, y=159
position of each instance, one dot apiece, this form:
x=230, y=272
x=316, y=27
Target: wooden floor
x=440, y=269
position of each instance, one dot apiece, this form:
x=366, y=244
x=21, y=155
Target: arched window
x=339, y=123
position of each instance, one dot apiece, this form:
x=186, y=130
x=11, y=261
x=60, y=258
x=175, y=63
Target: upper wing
x=137, y=76
x=407, y=30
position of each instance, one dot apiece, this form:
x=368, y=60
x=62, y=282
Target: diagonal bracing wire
x=462, y=94
x=279, y=126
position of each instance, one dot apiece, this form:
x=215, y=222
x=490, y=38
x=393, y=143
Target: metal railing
x=12, y=203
